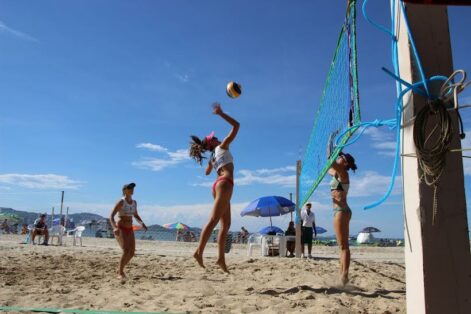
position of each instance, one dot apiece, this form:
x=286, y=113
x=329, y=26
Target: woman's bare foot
x=223, y=266
x=344, y=279
x=199, y=258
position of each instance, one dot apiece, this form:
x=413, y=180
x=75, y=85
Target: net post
x=298, y=213
x=437, y=257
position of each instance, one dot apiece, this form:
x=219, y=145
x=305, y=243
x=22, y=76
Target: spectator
x=5, y=226
x=309, y=226
x=24, y=229
x=179, y=236
x=243, y=235
x=40, y=228
x=290, y=243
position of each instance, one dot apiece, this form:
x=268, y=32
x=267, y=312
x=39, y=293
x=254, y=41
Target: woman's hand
x=217, y=108
x=116, y=232
x=144, y=226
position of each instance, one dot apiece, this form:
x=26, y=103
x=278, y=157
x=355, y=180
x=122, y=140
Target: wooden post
x=437, y=256
x=60, y=215
x=298, y=212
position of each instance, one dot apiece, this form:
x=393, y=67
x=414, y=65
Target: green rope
x=46, y=310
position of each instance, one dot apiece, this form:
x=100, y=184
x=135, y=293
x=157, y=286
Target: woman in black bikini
x=221, y=160
x=339, y=186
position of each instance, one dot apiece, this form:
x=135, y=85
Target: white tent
x=365, y=238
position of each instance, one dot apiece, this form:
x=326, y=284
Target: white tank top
x=221, y=157
x=127, y=209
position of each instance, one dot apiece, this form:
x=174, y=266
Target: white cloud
x=382, y=141
x=152, y=147
x=276, y=176
x=6, y=29
x=40, y=181
x=184, y=78
x=248, y=177
x=154, y=164
x=371, y=183
x=158, y=164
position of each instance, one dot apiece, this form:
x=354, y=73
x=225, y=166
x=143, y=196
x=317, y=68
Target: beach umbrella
x=176, y=226
x=370, y=230
x=320, y=230
x=269, y=206
x=10, y=217
x=271, y=229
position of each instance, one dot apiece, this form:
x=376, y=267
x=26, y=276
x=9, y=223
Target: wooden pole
x=437, y=256
x=52, y=216
x=291, y=199
x=298, y=213
x=60, y=217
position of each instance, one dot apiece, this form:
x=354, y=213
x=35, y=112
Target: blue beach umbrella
x=271, y=229
x=268, y=206
x=320, y=230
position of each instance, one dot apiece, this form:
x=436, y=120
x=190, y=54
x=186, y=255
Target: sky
x=96, y=94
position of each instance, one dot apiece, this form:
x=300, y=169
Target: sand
x=164, y=277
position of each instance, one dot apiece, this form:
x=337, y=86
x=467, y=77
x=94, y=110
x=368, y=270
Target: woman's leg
x=221, y=201
x=341, y=226
x=128, y=248
x=131, y=248
x=222, y=237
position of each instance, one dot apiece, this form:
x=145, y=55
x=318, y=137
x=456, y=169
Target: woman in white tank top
x=221, y=160
x=126, y=208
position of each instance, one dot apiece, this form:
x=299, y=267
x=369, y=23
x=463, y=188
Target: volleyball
x=233, y=89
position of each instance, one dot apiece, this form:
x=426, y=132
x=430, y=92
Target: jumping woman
x=339, y=186
x=221, y=160
x=126, y=208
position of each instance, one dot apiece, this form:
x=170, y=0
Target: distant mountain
x=29, y=217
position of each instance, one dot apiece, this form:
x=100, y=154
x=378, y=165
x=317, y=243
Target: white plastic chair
x=57, y=231
x=253, y=240
x=76, y=234
x=272, y=244
x=40, y=237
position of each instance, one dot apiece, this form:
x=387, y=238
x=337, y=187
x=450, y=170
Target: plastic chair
x=29, y=237
x=253, y=240
x=76, y=233
x=274, y=245
x=57, y=231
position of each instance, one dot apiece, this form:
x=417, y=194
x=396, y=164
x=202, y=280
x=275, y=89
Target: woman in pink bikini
x=221, y=160
x=126, y=208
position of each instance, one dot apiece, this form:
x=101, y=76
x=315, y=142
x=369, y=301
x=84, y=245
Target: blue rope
x=399, y=109
x=416, y=87
x=377, y=25
x=391, y=123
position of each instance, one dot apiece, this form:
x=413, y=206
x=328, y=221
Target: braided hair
x=197, y=149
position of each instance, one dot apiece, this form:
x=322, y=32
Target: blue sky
x=95, y=94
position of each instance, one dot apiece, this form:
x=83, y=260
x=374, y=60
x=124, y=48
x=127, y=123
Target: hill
x=29, y=217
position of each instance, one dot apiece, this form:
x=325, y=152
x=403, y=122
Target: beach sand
x=164, y=277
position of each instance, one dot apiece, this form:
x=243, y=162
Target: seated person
x=187, y=236
x=40, y=228
x=24, y=229
x=290, y=243
x=5, y=226
x=243, y=235
x=179, y=236
x=192, y=236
